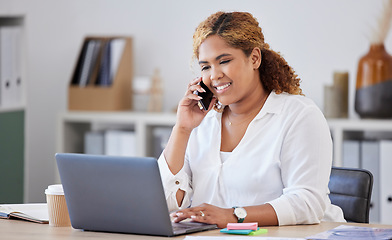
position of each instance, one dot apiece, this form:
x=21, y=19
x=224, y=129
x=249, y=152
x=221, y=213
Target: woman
x=265, y=154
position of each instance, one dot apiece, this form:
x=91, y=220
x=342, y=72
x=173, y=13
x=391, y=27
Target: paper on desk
x=353, y=232
x=238, y=238
x=36, y=210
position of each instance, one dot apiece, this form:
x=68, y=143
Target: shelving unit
x=342, y=129
x=73, y=126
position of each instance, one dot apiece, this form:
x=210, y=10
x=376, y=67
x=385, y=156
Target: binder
x=89, y=61
x=351, y=153
x=120, y=143
x=16, y=73
x=117, y=48
x=103, y=78
x=5, y=66
x=10, y=66
x=94, y=143
x=385, y=181
x=370, y=155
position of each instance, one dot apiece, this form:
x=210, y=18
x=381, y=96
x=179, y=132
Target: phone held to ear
x=207, y=97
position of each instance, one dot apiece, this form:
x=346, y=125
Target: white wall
x=316, y=37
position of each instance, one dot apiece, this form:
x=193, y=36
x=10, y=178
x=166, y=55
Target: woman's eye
x=205, y=68
x=224, y=61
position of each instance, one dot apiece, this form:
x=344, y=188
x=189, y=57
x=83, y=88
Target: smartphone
x=207, y=97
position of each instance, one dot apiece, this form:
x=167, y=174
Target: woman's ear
x=256, y=57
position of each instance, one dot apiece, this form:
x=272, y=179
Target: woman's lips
x=222, y=87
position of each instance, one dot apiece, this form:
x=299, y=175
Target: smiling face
x=232, y=76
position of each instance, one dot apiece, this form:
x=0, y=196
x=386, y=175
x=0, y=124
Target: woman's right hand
x=189, y=115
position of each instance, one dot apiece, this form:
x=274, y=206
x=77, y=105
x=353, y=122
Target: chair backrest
x=351, y=190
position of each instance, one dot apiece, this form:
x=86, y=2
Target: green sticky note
x=260, y=231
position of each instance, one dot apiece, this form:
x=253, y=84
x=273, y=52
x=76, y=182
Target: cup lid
x=56, y=189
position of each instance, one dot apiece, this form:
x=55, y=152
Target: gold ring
x=200, y=106
x=202, y=213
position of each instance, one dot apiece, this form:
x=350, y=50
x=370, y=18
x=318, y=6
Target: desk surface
x=19, y=229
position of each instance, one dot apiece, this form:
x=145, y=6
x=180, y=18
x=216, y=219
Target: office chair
x=351, y=190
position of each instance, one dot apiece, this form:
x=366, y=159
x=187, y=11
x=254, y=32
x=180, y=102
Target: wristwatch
x=240, y=213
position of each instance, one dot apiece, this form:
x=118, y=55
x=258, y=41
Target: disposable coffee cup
x=57, y=207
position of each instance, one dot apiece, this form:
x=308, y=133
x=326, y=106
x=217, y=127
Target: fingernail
x=200, y=98
x=193, y=216
x=180, y=213
x=203, y=90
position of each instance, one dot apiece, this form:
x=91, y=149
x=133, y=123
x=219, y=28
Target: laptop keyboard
x=182, y=226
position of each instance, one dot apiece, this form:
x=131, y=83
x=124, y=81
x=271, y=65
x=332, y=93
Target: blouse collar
x=274, y=104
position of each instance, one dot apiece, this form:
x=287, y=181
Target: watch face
x=240, y=212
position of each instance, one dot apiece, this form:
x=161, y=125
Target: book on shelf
x=34, y=213
x=110, y=59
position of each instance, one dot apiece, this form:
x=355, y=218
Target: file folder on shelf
x=10, y=66
x=88, y=63
x=16, y=77
x=116, y=94
x=5, y=66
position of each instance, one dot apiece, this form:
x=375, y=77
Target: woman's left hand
x=206, y=213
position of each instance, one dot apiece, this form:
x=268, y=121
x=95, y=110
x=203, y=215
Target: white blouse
x=283, y=159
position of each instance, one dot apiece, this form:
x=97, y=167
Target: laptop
x=118, y=194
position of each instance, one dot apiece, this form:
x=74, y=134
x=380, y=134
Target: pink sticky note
x=242, y=226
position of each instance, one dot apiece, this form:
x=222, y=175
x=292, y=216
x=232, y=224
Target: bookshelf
x=74, y=124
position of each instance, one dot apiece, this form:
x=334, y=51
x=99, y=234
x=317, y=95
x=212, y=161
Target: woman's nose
x=216, y=74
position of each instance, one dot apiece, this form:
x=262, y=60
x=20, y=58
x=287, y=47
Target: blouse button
x=177, y=182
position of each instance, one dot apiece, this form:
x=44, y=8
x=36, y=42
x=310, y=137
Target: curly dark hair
x=242, y=31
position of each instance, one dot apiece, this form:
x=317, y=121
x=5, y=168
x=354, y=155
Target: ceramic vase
x=373, y=95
